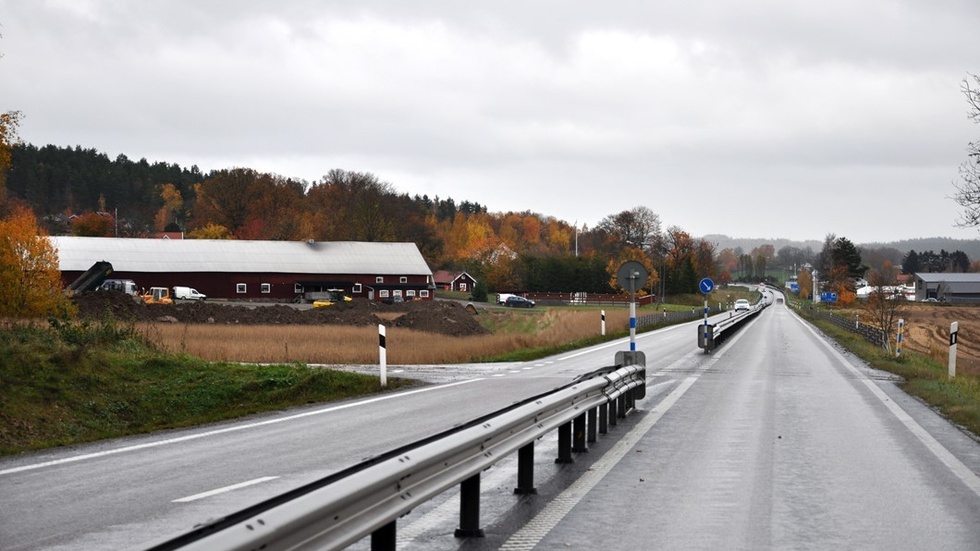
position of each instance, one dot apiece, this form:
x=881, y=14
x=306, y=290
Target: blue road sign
x=827, y=296
x=706, y=285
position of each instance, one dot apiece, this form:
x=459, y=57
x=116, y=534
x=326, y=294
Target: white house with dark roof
x=256, y=270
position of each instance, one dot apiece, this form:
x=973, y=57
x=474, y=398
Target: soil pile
x=444, y=317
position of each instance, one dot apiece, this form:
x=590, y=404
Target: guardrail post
x=612, y=413
x=383, y=539
x=525, y=470
x=603, y=418
x=469, y=508
x=578, y=435
x=590, y=435
x=565, y=444
x=621, y=407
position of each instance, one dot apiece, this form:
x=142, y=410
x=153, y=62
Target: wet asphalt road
x=774, y=441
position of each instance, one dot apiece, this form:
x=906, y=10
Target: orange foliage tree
x=30, y=281
x=93, y=224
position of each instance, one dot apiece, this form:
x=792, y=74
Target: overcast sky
x=760, y=118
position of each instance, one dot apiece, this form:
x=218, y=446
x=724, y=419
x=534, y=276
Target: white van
x=188, y=293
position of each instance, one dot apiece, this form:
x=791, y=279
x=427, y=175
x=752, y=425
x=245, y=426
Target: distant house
x=454, y=281
x=953, y=288
x=256, y=270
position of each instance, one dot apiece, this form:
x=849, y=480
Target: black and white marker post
x=383, y=353
x=953, y=329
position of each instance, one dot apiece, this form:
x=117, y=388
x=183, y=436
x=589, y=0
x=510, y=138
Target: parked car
x=515, y=301
x=188, y=293
x=742, y=304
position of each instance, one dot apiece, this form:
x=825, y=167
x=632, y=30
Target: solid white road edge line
x=236, y=428
x=203, y=495
x=959, y=469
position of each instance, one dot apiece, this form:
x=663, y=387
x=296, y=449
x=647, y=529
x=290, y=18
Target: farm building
x=256, y=270
x=454, y=281
x=954, y=288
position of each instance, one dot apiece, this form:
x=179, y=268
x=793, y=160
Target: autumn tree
x=351, y=206
x=93, y=224
x=210, y=231
x=968, y=188
x=172, y=211
x=805, y=282
x=9, y=122
x=30, y=282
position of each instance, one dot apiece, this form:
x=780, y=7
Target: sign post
x=706, y=286
x=632, y=276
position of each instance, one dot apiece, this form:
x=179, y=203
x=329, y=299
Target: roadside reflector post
x=898, y=340
x=603, y=322
x=383, y=354
x=953, y=329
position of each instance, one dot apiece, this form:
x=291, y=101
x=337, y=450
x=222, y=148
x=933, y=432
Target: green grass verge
x=69, y=384
x=958, y=398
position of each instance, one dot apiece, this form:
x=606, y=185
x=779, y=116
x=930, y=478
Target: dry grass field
x=332, y=344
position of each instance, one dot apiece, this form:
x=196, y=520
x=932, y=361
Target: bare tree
x=638, y=226
x=885, y=306
x=968, y=187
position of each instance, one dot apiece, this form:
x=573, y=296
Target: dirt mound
x=444, y=317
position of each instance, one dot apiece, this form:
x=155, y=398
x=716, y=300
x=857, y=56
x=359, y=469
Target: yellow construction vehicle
x=157, y=295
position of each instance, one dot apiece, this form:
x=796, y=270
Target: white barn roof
x=233, y=256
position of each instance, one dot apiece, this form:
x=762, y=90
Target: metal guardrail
x=870, y=333
x=368, y=498
x=720, y=331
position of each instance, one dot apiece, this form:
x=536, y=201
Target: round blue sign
x=706, y=285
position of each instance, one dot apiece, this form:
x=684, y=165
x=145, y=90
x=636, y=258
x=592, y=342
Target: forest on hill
x=85, y=192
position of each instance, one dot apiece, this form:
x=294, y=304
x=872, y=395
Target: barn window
x=424, y=294
x=398, y=292
x=297, y=288
x=403, y=279
x=241, y=288
x=356, y=289
x=410, y=293
x=265, y=288
x=383, y=293
x=379, y=279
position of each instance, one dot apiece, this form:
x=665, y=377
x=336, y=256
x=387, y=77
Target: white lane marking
x=533, y=532
x=236, y=428
x=959, y=469
x=499, y=374
x=203, y=495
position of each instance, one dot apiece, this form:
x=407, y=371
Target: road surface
x=775, y=440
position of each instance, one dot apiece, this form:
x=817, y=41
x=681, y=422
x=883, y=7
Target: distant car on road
x=515, y=301
x=742, y=304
